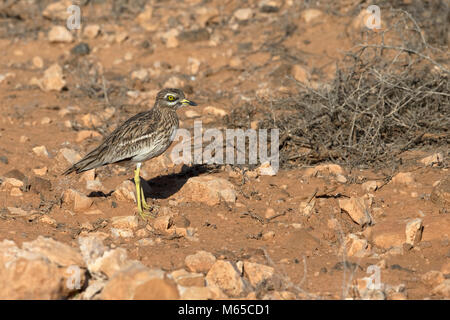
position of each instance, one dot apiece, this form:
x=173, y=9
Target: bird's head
x=172, y=98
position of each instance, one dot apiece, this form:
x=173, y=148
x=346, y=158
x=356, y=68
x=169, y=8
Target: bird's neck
x=167, y=114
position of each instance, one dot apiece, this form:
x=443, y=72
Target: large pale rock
x=371, y=185
x=205, y=14
x=433, y=278
x=18, y=212
x=310, y=14
x=443, y=289
x=257, y=273
x=38, y=272
x=59, y=34
x=266, y=169
x=188, y=279
x=403, y=178
x=122, y=233
x=201, y=261
x=144, y=19
x=53, y=79
x=441, y=193
x=413, y=231
x=125, y=222
x=433, y=159
x=105, y=263
x=163, y=223
x=110, y=262
x=91, y=248
x=58, y=253
x=57, y=10
x=243, y=14
x=126, y=191
x=91, y=31
x=357, y=209
x=356, y=246
x=41, y=151
x=207, y=189
x=139, y=282
x=223, y=274
x=80, y=202
x=325, y=170
x=300, y=74
x=10, y=183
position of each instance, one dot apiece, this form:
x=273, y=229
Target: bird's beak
x=186, y=102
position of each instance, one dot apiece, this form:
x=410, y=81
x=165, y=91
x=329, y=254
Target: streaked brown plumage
x=142, y=137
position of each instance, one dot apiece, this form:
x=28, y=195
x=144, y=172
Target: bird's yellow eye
x=170, y=98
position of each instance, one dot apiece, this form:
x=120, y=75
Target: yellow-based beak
x=188, y=102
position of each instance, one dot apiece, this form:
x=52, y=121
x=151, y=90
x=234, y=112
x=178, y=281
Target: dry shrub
x=388, y=96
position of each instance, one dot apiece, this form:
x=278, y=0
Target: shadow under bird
x=142, y=137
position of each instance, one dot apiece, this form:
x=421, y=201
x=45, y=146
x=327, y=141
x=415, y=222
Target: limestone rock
x=91, y=31
x=53, y=79
x=310, y=14
x=59, y=34
x=38, y=271
x=243, y=14
x=201, y=261
x=413, y=231
x=188, y=279
x=207, y=189
x=433, y=278
x=443, y=289
x=258, y=273
x=59, y=253
x=441, y=193
x=126, y=191
x=356, y=246
x=41, y=151
x=357, y=209
x=139, y=282
x=403, y=178
x=225, y=276
x=80, y=202
x=57, y=10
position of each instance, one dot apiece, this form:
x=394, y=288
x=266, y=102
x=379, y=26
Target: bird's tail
x=90, y=161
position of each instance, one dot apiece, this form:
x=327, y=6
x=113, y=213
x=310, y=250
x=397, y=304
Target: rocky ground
x=322, y=231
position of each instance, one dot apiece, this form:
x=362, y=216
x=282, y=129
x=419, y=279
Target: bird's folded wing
x=129, y=139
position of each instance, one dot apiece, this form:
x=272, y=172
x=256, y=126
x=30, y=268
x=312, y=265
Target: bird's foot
x=145, y=214
x=147, y=210
x=145, y=206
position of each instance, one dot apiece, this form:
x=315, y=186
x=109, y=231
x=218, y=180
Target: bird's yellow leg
x=139, y=193
x=145, y=206
x=151, y=210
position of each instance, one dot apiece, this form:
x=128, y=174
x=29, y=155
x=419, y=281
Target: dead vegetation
x=390, y=95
